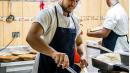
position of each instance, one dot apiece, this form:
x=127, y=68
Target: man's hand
x=88, y=31
x=61, y=59
x=83, y=62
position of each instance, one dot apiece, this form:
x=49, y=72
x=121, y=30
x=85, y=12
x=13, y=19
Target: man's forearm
x=79, y=46
x=39, y=45
x=81, y=50
x=97, y=34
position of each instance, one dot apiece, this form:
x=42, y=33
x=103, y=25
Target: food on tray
x=8, y=58
x=33, y=51
x=96, y=28
x=19, y=52
x=5, y=54
x=26, y=57
x=110, y=58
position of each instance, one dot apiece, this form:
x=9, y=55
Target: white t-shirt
x=117, y=20
x=47, y=19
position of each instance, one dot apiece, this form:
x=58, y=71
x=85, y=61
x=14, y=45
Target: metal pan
x=105, y=66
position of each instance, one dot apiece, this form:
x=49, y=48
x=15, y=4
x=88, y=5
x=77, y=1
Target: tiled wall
x=89, y=11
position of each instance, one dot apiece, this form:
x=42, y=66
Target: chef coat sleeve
x=110, y=21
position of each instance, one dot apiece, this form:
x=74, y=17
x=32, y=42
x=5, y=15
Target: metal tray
x=19, y=67
x=104, y=66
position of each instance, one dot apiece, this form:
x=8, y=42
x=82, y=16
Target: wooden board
x=125, y=4
x=1, y=7
x=8, y=29
x=17, y=9
x=30, y=9
x=27, y=25
x=93, y=7
x=6, y=10
x=1, y=34
x=104, y=7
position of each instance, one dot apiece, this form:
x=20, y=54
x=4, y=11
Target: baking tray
x=104, y=66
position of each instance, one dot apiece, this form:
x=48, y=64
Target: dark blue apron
x=110, y=41
x=63, y=41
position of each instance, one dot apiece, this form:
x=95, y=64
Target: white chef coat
x=117, y=20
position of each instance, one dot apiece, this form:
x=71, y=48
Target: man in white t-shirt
x=53, y=34
x=115, y=29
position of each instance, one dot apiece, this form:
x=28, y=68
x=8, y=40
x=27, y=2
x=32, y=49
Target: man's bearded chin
x=64, y=8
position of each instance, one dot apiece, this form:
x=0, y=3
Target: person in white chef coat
x=114, y=29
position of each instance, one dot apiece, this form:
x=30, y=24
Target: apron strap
x=57, y=17
x=74, y=23
x=124, y=36
x=127, y=39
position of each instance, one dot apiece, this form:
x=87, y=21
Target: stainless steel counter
x=17, y=67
